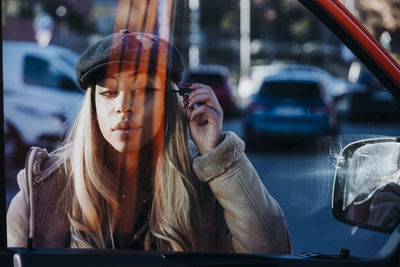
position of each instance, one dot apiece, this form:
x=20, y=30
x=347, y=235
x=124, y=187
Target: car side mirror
x=366, y=190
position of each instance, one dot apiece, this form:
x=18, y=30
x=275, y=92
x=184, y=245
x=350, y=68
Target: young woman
x=129, y=176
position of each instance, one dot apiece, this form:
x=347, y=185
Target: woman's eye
x=108, y=93
x=139, y=91
x=143, y=91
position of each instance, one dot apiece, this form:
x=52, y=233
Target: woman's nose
x=125, y=104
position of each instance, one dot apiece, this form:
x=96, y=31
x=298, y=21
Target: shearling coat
x=237, y=212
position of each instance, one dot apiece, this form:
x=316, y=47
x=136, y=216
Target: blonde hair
x=91, y=195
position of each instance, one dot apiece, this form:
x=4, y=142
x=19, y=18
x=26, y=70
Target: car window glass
x=293, y=146
x=290, y=90
x=38, y=71
x=70, y=61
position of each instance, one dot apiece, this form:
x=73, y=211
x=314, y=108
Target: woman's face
x=129, y=108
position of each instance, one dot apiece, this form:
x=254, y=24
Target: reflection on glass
x=143, y=168
x=284, y=36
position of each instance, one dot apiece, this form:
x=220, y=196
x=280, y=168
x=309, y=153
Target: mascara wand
x=182, y=91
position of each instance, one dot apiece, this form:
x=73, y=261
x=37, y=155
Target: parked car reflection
x=40, y=95
x=217, y=77
x=250, y=84
x=291, y=105
x=370, y=100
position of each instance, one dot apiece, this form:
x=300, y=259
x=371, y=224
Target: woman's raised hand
x=205, y=121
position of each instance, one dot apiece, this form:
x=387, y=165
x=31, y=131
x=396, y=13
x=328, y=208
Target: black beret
x=127, y=47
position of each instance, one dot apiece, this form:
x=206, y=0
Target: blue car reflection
x=291, y=105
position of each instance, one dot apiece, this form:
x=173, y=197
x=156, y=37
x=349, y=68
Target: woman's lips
x=126, y=132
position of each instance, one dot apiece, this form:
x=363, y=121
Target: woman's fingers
x=199, y=88
x=205, y=121
x=205, y=113
x=204, y=95
x=203, y=99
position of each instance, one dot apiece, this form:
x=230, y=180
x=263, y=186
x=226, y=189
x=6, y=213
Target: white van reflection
x=41, y=96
